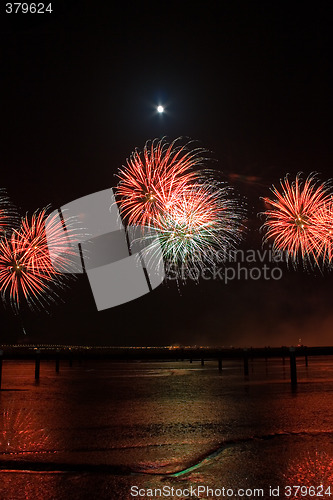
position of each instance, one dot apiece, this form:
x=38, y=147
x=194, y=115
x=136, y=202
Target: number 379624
x=28, y=8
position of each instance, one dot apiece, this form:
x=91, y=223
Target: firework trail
x=299, y=220
x=154, y=178
x=26, y=270
x=203, y=223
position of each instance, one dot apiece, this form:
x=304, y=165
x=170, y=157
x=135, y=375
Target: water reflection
x=168, y=424
x=20, y=433
x=312, y=473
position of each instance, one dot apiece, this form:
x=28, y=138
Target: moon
x=160, y=109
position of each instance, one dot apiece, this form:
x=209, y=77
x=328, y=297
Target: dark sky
x=252, y=81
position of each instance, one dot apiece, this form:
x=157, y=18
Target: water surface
x=96, y=429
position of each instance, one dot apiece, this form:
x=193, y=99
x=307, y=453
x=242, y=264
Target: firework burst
x=26, y=270
x=299, y=220
x=153, y=179
x=204, y=222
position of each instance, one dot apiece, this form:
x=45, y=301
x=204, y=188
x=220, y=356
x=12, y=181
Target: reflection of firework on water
x=8, y=215
x=313, y=469
x=19, y=434
x=203, y=222
x=26, y=270
x=152, y=179
x=298, y=220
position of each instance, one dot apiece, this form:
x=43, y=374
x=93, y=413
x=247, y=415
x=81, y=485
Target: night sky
x=251, y=81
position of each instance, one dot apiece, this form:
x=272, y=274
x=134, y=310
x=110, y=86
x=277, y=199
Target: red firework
x=152, y=179
x=26, y=270
x=300, y=220
x=203, y=225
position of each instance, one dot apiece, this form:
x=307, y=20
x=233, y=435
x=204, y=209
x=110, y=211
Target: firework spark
x=204, y=221
x=153, y=179
x=299, y=220
x=26, y=270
